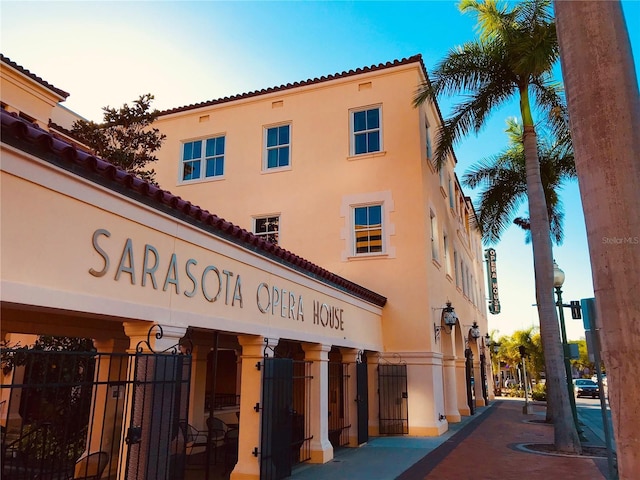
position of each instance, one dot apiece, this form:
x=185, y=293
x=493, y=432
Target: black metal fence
x=286, y=410
x=339, y=423
x=68, y=414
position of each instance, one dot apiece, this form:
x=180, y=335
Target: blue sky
x=109, y=53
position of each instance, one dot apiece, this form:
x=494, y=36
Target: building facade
x=337, y=170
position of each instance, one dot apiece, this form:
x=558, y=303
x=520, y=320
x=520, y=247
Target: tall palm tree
x=513, y=58
x=503, y=179
x=604, y=104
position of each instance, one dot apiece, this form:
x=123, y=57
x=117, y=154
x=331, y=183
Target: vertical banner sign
x=492, y=281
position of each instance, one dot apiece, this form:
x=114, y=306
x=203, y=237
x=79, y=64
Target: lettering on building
x=279, y=302
x=190, y=278
x=492, y=281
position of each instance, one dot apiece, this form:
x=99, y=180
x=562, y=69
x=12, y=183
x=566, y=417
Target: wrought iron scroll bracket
x=396, y=359
x=268, y=347
x=184, y=346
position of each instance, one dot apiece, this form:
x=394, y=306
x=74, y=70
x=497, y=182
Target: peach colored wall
x=48, y=251
x=309, y=196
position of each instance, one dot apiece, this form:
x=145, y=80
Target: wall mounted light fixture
x=447, y=321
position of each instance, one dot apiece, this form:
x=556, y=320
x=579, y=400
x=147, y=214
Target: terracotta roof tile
x=311, y=81
x=38, y=142
x=33, y=76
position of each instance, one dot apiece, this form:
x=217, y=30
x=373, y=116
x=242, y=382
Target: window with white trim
x=366, y=131
x=277, y=144
x=267, y=227
x=367, y=229
x=203, y=159
x=451, y=198
x=434, y=236
x=428, y=137
x=445, y=254
x=455, y=266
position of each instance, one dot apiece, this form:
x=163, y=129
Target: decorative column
x=374, y=396
x=321, y=448
x=350, y=357
x=461, y=387
x=450, y=395
x=253, y=351
x=108, y=402
x=477, y=383
x=197, y=393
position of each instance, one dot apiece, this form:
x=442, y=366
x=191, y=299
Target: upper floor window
x=368, y=229
x=428, y=137
x=445, y=254
x=277, y=147
x=451, y=198
x=267, y=227
x=203, y=158
x=455, y=266
x=435, y=254
x=366, y=135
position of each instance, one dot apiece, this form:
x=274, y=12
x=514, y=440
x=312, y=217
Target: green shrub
x=539, y=392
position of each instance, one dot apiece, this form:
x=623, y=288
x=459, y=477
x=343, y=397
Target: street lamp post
x=558, y=281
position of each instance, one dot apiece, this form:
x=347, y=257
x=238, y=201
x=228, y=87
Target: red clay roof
x=33, y=77
x=32, y=139
x=311, y=81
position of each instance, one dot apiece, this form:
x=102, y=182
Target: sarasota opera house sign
x=492, y=280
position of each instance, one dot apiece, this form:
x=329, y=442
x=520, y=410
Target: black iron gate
x=160, y=403
x=392, y=383
x=277, y=418
x=362, y=397
x=63, y=413
x=338, y=391
x=284, y=438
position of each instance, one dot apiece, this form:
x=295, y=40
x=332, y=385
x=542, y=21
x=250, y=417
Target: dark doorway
x=392, y=382
x=469, y=380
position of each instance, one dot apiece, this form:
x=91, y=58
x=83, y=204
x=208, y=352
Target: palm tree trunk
x=604, y=108
x=565, y=433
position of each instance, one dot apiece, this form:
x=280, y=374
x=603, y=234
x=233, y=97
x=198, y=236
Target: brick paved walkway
x=487, y=449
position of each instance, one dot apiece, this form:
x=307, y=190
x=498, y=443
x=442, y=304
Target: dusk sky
x=109, y=53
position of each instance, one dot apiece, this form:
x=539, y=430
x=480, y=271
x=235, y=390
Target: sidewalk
x=485, y=446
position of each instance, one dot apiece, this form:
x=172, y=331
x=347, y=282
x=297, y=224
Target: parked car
x=585, y=387
x=604, y=379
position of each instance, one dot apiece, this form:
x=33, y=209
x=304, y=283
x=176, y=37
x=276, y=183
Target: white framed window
x=366, y=130
x=455, y=266
x=277, y=147
x=445, y=254
x=428, y=139
x=451, y=197
x=202, y=159
x=367, y=229
x=435, y=251
x=267, y=227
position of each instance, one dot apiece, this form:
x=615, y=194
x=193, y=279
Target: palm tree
x=513, y=58
x=504, y=179
x=602, y=93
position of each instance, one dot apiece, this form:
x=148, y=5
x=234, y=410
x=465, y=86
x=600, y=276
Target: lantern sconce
x=448, y=318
